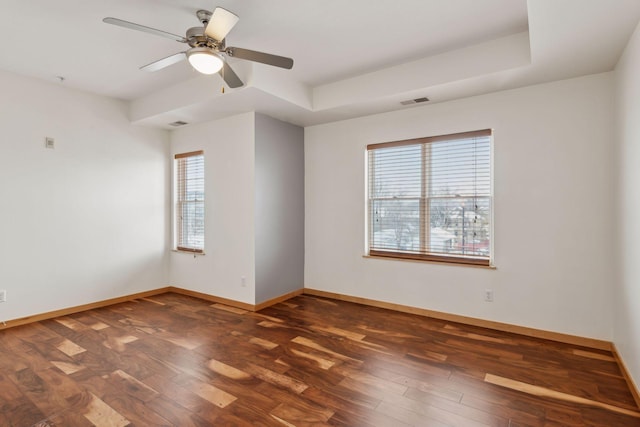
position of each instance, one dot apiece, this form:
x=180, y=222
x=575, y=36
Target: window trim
x=425, y=261
x=177, y=222
x=424, y=204
x=428, y=139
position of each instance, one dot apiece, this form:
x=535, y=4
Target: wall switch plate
x=243, y=281
x=49, y=143
x=488, y=295
x=3, y=296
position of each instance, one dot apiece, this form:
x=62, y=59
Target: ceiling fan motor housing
x=197, y=38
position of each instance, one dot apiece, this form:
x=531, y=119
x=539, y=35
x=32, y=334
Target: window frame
x=179, y=179
x=425, y=200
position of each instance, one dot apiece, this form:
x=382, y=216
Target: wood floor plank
x=17, y=408
x=432, y=412
x=314, y=345
x=321, y=362
x=407, y=416
x=263, y=343
x=133, y=386
x=182, y=341
x=343, y=399
x=70, y=348
x=175, y=360
x=218, y=397
x=41, y=393
x=298, y=414
x=70, y=323
x=227, y=371
x=67, y=367
x=372, y=385
x=545, y=392
x=340, y=332
x=230, y=309
x=277, y=379
x=119, y=343
x=175, y=414
x=98, y=326
x=66, y=418
x=593, y=355
x=101, y=414
x=429, y=388
x=186, y=400
x=260, y=342
x=455, y=407
x=153, y=301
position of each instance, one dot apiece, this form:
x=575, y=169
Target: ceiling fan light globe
x=204, y=60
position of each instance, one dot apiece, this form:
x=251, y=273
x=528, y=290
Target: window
x=189, y=201
x=430, y=198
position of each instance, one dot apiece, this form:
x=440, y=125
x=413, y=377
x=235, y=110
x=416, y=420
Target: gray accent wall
x=279, y=208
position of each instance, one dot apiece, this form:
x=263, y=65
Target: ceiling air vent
x=415, y=101
x=178, y=123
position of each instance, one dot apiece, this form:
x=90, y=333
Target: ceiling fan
x=208, y=49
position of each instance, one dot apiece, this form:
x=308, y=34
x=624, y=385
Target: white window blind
x=430, y=198
x=189, y=213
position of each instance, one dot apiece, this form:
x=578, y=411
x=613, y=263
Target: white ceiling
x=352, y=57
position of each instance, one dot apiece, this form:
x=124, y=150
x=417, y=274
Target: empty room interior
x=287, y=213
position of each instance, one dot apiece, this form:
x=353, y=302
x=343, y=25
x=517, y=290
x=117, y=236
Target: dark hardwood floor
x=174, y=360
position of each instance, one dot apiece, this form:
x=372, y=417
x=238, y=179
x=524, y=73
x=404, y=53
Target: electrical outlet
x=3, y=296
x=49, y=143
x=243, y=281
x=488, y=295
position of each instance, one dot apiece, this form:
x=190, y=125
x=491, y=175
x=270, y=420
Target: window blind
x=189, y=214
x=430, y=198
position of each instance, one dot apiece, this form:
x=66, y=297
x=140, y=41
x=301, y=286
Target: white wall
x=554, y=209
x=88, y=220
x=279, y=208
x=228, y=146
x=627, y=313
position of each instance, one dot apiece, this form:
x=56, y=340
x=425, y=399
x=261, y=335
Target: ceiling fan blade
x=221, y=22
x=229, y=76
x=138, y=27
x=265, y=58
x=165, y=62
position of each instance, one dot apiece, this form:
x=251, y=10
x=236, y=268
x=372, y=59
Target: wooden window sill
x=188, y=252
x=428, y=261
